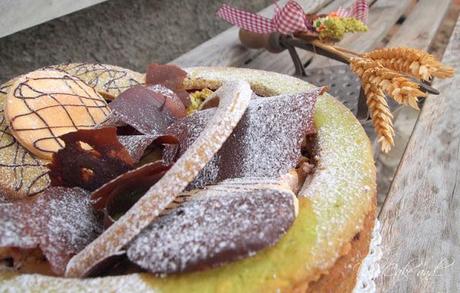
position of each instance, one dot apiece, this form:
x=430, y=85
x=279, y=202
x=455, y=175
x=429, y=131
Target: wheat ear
x=381, y=116
x=394, y=84
x=415, y=62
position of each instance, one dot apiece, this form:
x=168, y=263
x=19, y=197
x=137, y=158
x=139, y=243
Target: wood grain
x=421, y=216
x=225, y=48
x=417, y=31
x=421, y=25
x=16, y=15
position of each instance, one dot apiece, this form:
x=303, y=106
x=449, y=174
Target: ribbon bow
x=358, y=10
x=287, y=20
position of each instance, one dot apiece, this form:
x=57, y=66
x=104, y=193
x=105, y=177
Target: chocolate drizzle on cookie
x=25, y=174
x=108, y=80
x=43, y=105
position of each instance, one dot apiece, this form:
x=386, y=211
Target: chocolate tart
x=323, y=249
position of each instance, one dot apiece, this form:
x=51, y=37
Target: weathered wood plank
x=418, y=31
x=16, y=15
x=421, y=216
x=421, y=25
x=225, y=49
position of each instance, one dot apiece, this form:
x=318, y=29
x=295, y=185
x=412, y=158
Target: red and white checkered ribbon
x=359, y=10
x=287, y=20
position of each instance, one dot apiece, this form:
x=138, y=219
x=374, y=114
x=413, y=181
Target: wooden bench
x=420, y=214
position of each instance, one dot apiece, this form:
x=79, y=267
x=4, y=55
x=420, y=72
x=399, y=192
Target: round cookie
x=334, y=207
x=45, y=104
x=23, y=174
x=108, y=80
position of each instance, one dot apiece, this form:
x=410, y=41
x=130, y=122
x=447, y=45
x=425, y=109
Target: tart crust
x=339, y=203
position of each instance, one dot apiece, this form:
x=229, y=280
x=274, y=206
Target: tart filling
x=285, y=251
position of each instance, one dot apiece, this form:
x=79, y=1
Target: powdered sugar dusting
x=344, y=187
x=334, y=145
x=234, y=99
x=267, y=140
x=136, y=144
x=187, y=130
x=213, y=227
x=61, y=221
x=265, y=143
x=38, y=283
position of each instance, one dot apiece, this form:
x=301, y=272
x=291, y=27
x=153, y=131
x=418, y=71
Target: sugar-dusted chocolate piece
x=187, y=131
x=45, y=104
x=266, y=142
x=116, y=193
x=143, y=109
x=89, y=159
x=214, y=227
x=170, y=76
x=136, y=144
x=234, y=99
x=60, y=221
x=169, y=99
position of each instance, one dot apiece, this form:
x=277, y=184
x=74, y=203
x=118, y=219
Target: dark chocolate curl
x=142, y=109
x=117, y=196
x=89, y=167
x=170, y=76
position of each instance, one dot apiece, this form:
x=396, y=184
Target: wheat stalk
x=388, y=71
x=394, y=84
x=415, y=62
x=381, y=116
x=377, y=80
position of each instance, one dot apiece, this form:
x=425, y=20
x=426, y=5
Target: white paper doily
x=370, y=269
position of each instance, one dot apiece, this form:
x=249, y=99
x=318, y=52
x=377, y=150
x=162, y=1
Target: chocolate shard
x=60, y=221
x=89, y=159
x=214, y=227
x=143, y=109
x=266, y=142
x=187, y=131
x=136, y=145
x=170, y=76
x=115, y=197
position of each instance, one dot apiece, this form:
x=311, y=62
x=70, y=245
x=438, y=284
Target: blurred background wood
x=128, y=33
x=16, y=15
